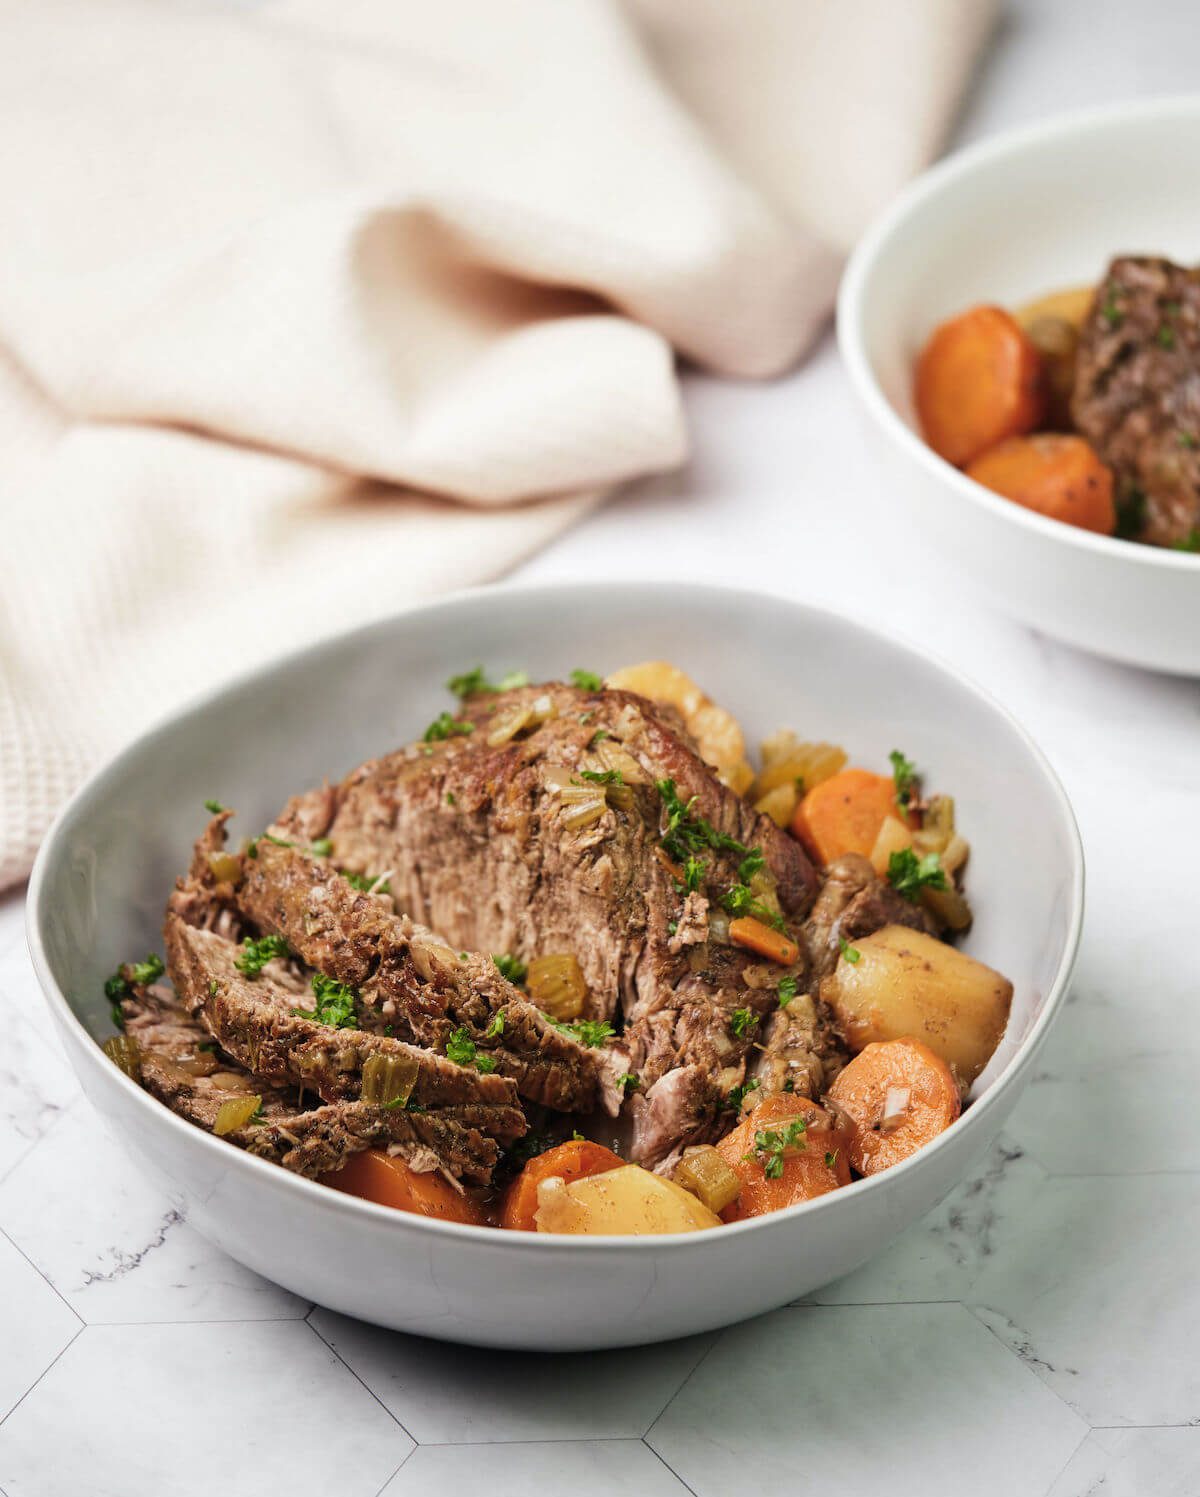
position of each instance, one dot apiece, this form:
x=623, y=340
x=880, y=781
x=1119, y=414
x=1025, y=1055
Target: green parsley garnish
x=694, y=870
x=475, y=682
x=789, y=1084
x=451, y=799
x=738, y=900
x=770, y=1145
x=1131, y=513
x=1111, y=313
x=595, y=1033
x=752, y=863
x=599, y=735
x=586, y=680
x=366, y=883
x=908, y=874
x=602, y=776
x=1186, y=439
x=118, y=985
x=444, y=726
x=628, y=1082
x=904, y=776
x=786, y=990
x=1190, y=542
x=831, y=1159
x=256, y=954
x=495, y=1029
x=335, y=1003
x=742, y=1021
x=215, y=807
x=460, y=1048
x=511, y=967
x=686, y=832
x=213, y=990
x=321, y=848
x=1165, y=336
x=851, y=953
x=733, y=1102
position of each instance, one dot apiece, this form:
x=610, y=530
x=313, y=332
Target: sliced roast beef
x=1137, y=393
x=408, y=979
x=182, y=1066
x=555, y=819
x=854, y=901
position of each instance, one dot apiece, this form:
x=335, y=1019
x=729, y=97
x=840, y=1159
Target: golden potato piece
x=1071, y=305
x=902, y=983
x=625, y=1202
x=717, y=732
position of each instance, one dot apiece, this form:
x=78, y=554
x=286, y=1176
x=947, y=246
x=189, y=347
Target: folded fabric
x=310, y=311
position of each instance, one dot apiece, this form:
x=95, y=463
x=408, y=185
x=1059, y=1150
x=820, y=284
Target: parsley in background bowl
x=104, y=873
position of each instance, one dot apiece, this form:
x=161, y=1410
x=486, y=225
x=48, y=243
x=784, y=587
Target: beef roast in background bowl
x=1004, y=223
x=102, y=877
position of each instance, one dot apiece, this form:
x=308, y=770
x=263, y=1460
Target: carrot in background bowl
x=1058, y=476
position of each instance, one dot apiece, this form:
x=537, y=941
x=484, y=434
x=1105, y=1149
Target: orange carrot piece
x=1057, y=476
x=979, y=380
x=570, y=1161
x=753, y=935
x=894, y=1098
x=389, y=1181
x=815, y=1164
x=844, y=814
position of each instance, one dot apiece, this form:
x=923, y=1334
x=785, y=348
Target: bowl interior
x=106, y=870
x=1041, y=211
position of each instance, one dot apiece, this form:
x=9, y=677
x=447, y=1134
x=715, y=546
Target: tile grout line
x=398, y=1470
x=1025, y=1362
x=333, y=1352
x=708, y=1351
x=1083, y=1439
x=16, y=1247
x=41, y=1375
x=658, y=1456
x=41, y=1138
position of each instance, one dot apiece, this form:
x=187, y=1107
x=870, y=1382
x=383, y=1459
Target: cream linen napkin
x=312, y=310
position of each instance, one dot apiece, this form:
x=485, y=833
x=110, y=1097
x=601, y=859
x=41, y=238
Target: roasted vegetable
x=235, y=1114
x=628, y=1201
x=126, y=1054
x=573, y=1160
x=905, y=983
x=556, y=984
x=389, y=1079
x=894, y=1098
x=391, y=1181
x=710, y=1179
x=717, y=734
x=786, y=1151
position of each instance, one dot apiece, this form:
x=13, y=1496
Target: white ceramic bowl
x=102, y=878
x=1027, y=213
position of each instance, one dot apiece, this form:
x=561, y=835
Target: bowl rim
x=874, y=247
x=275, y=1179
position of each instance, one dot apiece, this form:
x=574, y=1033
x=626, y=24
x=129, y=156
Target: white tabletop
x=1035, y=1335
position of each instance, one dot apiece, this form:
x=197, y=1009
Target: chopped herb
x=752, y=863
x=252, y=848
x=599, y=735
x=851, y=953
x=475, y=683
x=1131, y=513
x=738, y=900
x=789, y=1084
x=800, y=786
x=733, y=1102
x=770, y=1145
x=904, y=777
x=577, y=1137
x=831, y=1159
x=742, y=1021
x=215, y=807
x=366, y=883
x=908, y=874
x=672, y=927
x=1190, y=542
x=602, y=776
x=1186, y=439
x=1165, y=336
x=515, y=1158
x=586, y=680
x=686, y=832
x=444, y=726
x=495, y=1029
x=1112, y=313
x=213, y=989
x=586, y=717
x=511, y=967
x=335, y=1003
x=693, y=874
x=460, y=1048
x=628, y=1082
x=117, y=986
x=321, y=848
x=595, y=1033
x=144, y=973
x=786, y=990
x=278, y=841
x=451, y=799
x=256, y=954
x=1172, y=308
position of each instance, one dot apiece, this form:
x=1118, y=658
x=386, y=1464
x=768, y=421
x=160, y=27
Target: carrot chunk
x=753, y=935
x=570, y=1161
x=779, y=1163
x=979, y=380
x=1060, y=477
x=844, y=814
x=389, y=1181
x=894, y=1098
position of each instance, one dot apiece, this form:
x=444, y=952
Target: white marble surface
x=1035, y=1336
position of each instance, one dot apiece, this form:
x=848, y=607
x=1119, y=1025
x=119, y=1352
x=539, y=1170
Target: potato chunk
x=625, y=1202
x=717, y=732
x=906, y=984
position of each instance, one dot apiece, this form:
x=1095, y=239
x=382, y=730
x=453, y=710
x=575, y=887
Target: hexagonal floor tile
x=831, y=1390
x=263, y=1407
x=1133, y=1463
x=939, y=1258
x=119, y=1252
x=36, y=1088
x=1091, y=1283
x=35, y=1325
x=593, y=1468
x=450, y=1395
